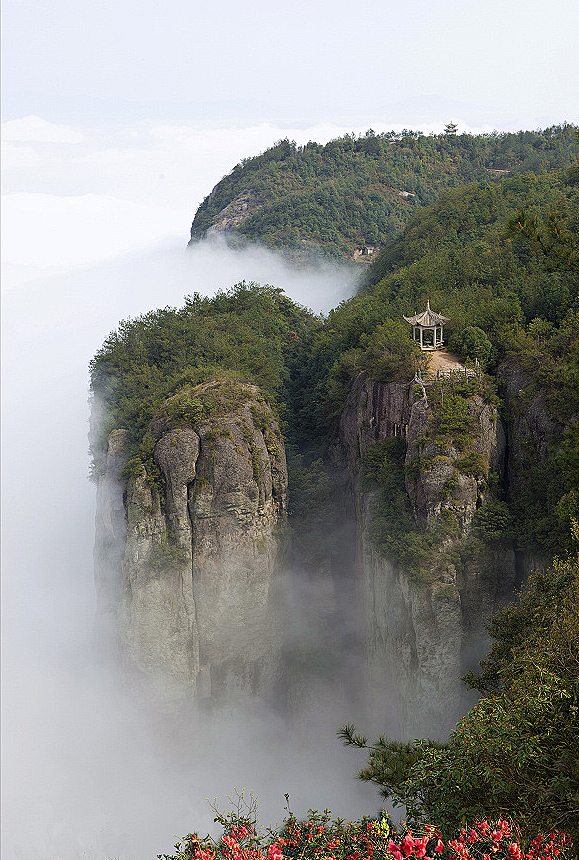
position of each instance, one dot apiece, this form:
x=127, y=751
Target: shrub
x=517, y=750
x=474, y=343
x=183, y=407
x=319, y=837
x=473, y=464
x=167, y=554
x=494, y=521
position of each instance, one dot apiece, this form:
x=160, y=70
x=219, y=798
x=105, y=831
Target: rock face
x=531, y=429
x=110, y=536
x=190, y=550
x=195, y=591
x=529, y=420
x=230, y=217
x=422, y=628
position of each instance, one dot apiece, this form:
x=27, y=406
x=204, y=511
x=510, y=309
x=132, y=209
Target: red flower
x=394, y=849
x=274, y=852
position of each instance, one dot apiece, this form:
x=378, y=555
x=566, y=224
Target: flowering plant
x=319, y=837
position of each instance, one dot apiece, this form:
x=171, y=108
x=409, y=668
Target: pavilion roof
x=428, y=318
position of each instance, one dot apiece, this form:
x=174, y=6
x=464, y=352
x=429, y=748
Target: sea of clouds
x=94, y=230
x=87, y=772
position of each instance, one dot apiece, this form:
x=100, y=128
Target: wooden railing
x=427, y=377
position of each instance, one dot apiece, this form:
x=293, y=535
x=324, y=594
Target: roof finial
x=428, y=305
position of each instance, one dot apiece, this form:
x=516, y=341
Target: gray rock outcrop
x=194, y=588
x=423, y=628
x=190, y=547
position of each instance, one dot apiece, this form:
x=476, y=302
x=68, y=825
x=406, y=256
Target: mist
x=88, y=769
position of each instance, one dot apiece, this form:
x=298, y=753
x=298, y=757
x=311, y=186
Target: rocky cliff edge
x=189, y=542
x=425, y=601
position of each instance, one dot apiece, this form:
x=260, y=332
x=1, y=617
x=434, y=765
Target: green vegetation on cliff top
x=360, y=191
x=516, y=752
x=498, y=258
x=244, y=334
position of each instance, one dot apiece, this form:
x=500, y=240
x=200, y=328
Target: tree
x=474, y=343
x=516, y=753
x=559, y=245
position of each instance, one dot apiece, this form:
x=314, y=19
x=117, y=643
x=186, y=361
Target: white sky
x=120, y=116
x=300, y=62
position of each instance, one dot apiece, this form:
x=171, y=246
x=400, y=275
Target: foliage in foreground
x=516, y=752
x=319, y=837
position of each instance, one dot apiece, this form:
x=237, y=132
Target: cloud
x=18, y=157
x=34, y=129
x=128, y=185
x=48, y=230
x=87, y=772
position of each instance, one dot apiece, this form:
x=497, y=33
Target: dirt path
x=442, y=359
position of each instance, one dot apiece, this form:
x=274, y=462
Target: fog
x=87, y=772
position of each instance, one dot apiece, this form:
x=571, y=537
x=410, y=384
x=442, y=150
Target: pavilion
x=428, y=328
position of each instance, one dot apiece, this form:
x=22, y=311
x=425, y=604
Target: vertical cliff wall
x=423, y=621
x=190, y=547
x=188, y=559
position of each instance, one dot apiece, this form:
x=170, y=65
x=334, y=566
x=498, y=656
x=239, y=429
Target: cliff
x=424, y=602
x=188, y=557
x=231, y=216
x=534, y=433
x=417, y=548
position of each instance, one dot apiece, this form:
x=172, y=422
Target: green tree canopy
x=361, y=190
x=516, y=752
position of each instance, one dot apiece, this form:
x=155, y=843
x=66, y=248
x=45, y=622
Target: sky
x=118, y=119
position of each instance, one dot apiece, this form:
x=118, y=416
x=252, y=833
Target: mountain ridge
x=356, y=193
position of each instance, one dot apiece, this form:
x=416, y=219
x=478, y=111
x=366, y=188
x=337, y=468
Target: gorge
x=193, y=548
x=295, y=513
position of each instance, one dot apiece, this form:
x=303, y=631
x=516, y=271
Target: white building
x=428, y=328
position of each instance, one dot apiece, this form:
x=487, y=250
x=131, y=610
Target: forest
x=491, y=239
x=359, y=191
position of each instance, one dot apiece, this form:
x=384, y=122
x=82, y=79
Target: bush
x=473, y=464
x=319, y=837
x=494, y=521
x=167, y=554
x=474, y=343
x=183, y=407
x=516, y=751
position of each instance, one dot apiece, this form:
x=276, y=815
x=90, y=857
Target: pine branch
x=348, y=736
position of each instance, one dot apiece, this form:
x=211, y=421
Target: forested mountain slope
x=357, y=192
x=512, y=300
x=411, y=506
x=511, y=297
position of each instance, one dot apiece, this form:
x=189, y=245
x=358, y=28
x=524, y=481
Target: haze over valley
x=238, y=510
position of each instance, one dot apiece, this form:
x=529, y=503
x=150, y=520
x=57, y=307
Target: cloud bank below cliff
x=86, y=772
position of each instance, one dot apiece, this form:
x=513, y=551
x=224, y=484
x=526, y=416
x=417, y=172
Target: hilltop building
x=428, y=328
